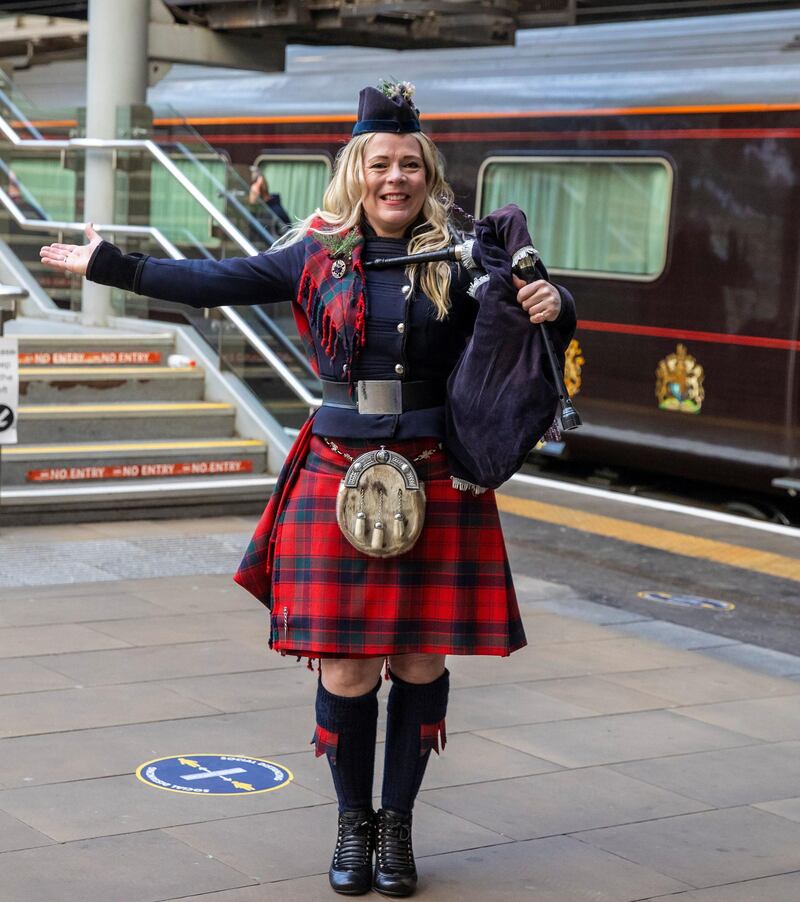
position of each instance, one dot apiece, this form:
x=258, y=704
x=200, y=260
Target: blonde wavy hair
x=342, y=208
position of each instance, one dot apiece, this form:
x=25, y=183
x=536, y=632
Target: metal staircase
x=106, y=426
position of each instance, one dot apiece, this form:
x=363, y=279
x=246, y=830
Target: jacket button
x=401, y=327
x=399, y=369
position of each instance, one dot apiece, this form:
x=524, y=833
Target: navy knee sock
x=415, y=721
x=345, y=732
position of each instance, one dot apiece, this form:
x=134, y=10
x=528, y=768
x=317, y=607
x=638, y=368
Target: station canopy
x=43, y=30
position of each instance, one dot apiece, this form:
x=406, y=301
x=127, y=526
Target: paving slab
x=556, y=869
x=20, y=642
x=785, y=888
x=567, y=659
x=192, y=594
x=590, y=611
x=773, y=719
x=555, y=803
x=107, y=806
x=86, y=753
x=599, y=694
x=788, y=808
x=483, y=707
x=673, y=634
x=302, y=889
x=708, y=848
x=28, y=611
x=138, y=867
x=314, y=773
x=249, y=691
x=472, y=759
x=726, y=777
x=14, y=834
x=545, y=628
x=150, y=663
x=529, y=588
x=22, y=675
x=36, y=594
x=705, y=681
x=615, y=738
x=170, y=629
x=766, y=660
x=69, y=709
x=242, y=842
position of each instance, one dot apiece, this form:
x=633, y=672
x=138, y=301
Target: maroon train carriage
x=660, y=167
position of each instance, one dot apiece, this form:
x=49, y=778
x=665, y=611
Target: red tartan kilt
x=451, y=594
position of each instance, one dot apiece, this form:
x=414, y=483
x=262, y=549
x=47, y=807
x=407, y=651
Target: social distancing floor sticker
x=215, y=775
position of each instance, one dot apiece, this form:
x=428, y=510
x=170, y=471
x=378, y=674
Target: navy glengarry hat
x=388, y=108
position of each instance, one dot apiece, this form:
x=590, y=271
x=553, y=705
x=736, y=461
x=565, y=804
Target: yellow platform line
x=21, y=450
x=99, y=370
x=654, y=537
x=124, y=407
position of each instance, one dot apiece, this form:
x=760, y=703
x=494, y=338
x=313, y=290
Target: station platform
x=620, y=757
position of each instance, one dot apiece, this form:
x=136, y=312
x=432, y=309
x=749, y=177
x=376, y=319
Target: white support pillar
x=116, y=75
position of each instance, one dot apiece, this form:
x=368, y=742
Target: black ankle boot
x=395, y=871
x=351, y=868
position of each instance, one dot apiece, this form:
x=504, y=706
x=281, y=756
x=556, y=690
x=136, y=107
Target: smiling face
x=394, y=181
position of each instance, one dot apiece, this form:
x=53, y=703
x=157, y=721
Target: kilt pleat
x=451, y=594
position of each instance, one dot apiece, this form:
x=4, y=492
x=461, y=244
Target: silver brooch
x=339, y=268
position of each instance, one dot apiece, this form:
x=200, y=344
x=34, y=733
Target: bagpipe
x=526, y=265
x=501, y=391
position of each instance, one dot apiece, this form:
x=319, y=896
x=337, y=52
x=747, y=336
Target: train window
x=299, y=179
x=43, y=188
x=604, y=216
x=173, y=210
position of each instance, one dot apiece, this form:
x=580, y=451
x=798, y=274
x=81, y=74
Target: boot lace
x=393, y=847
x=353, y=841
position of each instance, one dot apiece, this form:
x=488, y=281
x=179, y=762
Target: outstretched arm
x=199, y=283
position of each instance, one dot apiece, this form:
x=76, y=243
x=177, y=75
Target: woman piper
x=350, y=574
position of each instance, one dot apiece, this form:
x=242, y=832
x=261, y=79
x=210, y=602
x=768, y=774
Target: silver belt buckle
x=380, y=396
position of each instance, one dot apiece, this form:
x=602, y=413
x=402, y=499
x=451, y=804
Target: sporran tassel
x=399, y=519
x=377, y=535
x=361, y=525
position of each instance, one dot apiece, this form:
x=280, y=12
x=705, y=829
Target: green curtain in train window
x=176, y=212
x=49, y=185
x=602, y=216
x=300, y=183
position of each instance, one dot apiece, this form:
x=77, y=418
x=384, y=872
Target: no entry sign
x=9, y=391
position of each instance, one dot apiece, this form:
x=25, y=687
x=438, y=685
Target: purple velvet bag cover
x=501, y=396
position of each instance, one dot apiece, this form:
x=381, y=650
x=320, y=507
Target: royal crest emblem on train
x=679, y=382
x=573, y=366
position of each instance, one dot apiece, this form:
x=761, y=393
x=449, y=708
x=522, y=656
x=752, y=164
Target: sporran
x=380, y=505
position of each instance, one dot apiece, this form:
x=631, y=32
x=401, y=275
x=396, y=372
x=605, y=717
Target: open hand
x=72, y=258
x=539, y=299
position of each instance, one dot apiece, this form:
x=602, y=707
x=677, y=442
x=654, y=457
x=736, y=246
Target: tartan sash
x=331, y=302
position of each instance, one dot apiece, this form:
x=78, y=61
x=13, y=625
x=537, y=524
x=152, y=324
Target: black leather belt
x=384, y=396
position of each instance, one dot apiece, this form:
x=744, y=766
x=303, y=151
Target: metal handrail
x=283, y=340
x=29, y=126
x=227, y=226
x=228, y=195
x=57, y=226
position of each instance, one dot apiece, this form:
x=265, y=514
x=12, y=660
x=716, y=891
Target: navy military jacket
x=404, y=340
